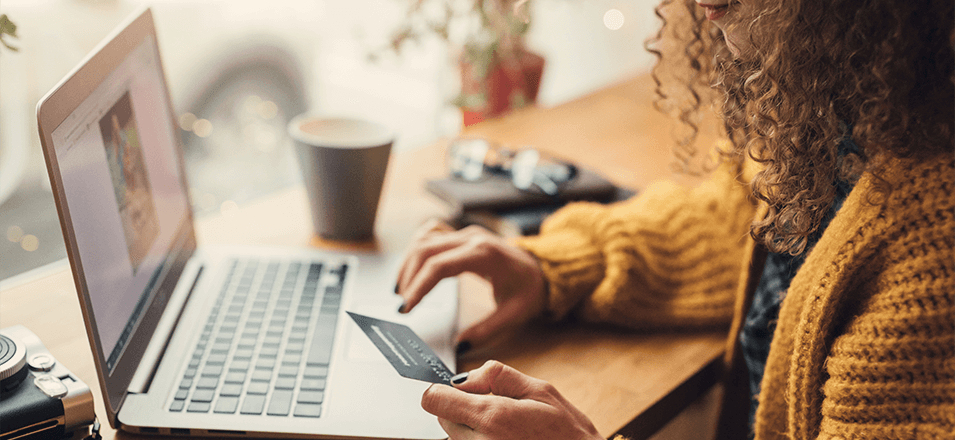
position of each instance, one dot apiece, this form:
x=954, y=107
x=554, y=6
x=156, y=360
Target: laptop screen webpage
x=120, y=174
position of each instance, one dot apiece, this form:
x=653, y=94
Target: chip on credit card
x=411, y=356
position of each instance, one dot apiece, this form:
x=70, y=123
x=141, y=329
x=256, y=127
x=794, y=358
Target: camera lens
x=12, y=360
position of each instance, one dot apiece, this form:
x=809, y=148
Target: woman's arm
x=670, y=257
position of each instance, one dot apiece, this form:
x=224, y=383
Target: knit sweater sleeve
x=670, y=257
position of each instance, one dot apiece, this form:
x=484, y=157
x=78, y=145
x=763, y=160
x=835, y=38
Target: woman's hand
x=515, y=275
x=497, y=402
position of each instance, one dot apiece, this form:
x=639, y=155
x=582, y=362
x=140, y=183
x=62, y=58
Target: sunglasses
x=474, y=160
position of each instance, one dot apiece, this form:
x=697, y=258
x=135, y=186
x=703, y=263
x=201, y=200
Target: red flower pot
x=508, y=83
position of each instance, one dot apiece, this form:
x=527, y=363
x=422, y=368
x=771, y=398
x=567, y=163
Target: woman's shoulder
x=900, y=208
x=910, y=183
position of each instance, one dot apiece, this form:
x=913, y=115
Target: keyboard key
x=216, y=359
x=290, y=370
x=253, y=404
x=298, y=330
x=239, y=366
x=312, y=384
x=190, y=373
x=186, y=384
x=316, y=371
x=281, y=403
x=264, y=364
x=235, y=377
x=243, y=354
x=226, y=405
x=231, y=389
x=262, y=375
x=310, y=397
x=199, y=407
x=203, y=395
x=181, y=394
x=232, y=317
x=212, y=371
x=177, y=405
x=258, y=388
x=207, y=382
x=308, y=410
x=320, y=350
x=285, y=383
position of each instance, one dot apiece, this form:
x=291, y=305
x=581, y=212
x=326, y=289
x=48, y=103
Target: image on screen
x=127, y=169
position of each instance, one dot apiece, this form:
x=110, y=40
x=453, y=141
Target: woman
x=841, y=299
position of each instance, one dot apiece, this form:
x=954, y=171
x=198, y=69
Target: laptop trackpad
x=434, y=320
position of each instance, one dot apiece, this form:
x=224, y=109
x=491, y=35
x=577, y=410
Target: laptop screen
x=117, y=156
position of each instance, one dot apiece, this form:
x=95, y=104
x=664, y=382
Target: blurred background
x=238, y=70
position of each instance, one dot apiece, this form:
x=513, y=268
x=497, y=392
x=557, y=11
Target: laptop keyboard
x=266, y=346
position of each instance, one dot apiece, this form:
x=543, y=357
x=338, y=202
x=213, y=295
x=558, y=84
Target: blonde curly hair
x=812, y=71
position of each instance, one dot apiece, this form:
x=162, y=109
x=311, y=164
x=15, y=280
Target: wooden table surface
x=624, y=381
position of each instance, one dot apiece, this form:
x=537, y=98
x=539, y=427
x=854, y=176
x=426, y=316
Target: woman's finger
x=452, y=261
x=454, y=405
x=427, y=247
x=429, y=228
x=501, y=380
x=457, y=431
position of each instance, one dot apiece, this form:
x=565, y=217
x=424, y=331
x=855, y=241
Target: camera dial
x=12, y=360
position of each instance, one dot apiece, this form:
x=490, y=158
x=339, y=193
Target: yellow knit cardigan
x=865, y=343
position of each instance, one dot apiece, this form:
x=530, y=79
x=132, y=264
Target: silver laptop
x=223, y=341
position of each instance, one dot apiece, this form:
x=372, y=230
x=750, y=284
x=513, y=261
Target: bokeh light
x=613, y=19
x=30, y=243
x=202, y=128
x=186, y=121
x=268, y=109
x=14, y=233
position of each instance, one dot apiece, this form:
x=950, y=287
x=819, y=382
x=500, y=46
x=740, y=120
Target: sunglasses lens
x=466, y=158
x=523, y=168
x=476, y=159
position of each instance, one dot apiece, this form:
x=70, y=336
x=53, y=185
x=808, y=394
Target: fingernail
x=458, y=379
x=396, y=287
x=463, y=347
x=401, y=308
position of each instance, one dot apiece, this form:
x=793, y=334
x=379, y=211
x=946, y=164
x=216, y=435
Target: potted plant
x=498, y=72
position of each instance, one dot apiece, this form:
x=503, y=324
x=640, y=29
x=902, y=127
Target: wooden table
x=626, y=382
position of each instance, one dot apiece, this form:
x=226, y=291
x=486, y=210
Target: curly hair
x=812, y=70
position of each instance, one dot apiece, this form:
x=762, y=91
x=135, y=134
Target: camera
x=39, y=397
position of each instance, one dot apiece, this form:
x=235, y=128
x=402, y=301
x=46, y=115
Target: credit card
x=406, y=351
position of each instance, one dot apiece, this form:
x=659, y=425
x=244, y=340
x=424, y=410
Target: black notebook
x=497, y=193
x=498, y=205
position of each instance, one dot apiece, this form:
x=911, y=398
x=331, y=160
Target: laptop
x=212, y=341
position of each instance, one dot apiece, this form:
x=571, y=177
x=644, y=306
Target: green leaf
x=7, y=29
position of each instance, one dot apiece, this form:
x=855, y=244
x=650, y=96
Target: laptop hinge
x=162, y=335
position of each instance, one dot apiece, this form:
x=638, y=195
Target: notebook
x=223, y=341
